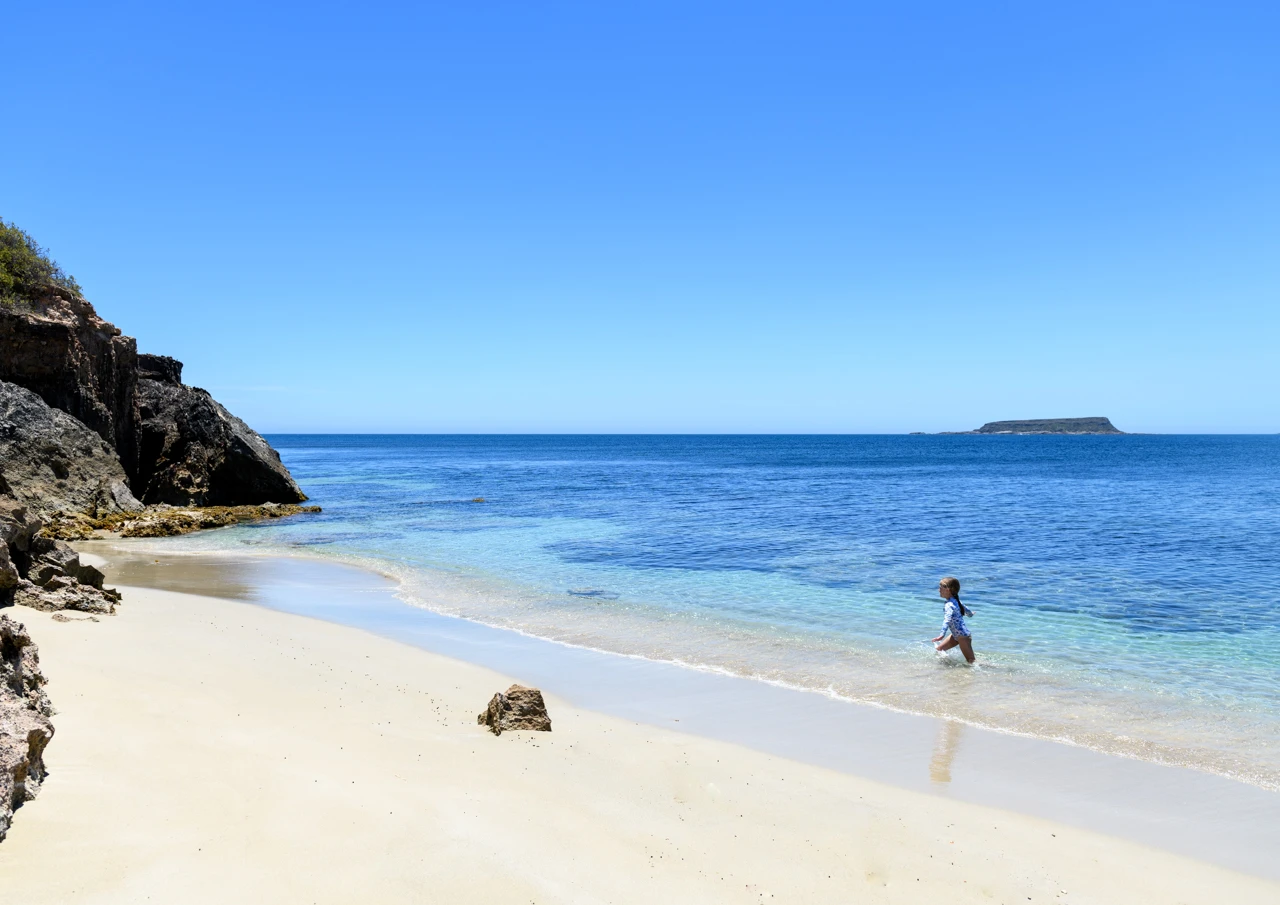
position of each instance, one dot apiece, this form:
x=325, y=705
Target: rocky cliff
x=56, y=346
x=174, y=443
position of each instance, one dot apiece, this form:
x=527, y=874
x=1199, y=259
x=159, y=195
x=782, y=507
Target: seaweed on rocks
x=166, y=521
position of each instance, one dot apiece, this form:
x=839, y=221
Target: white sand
x=213, y=751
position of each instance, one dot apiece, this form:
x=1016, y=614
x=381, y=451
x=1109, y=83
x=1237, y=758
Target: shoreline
x=213, y=750
x=1181, y=810
x=1109, y=719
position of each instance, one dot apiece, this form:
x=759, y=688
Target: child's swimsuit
x=954, y=620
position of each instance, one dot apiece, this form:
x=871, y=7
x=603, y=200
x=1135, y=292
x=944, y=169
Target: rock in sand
x=516, y=708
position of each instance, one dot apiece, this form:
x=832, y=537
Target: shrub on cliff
x=26, y=270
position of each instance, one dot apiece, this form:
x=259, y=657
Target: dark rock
x=44, y=572
x=60, y=567
x=161, y=368
x=193, y=452
x=52, y=462
x=60, y=349
x=91, y=576
x=61, y=557
x=25, y=729
x=516, y=708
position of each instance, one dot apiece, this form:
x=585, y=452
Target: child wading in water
x=953, y=627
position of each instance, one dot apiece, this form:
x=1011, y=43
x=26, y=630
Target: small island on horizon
x=1073, y=426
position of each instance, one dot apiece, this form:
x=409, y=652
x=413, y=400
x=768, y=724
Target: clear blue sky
x=686, y=217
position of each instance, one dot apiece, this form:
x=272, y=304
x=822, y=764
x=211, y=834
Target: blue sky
x=689, y=217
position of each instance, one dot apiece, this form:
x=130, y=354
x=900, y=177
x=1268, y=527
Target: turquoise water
x=1122, y=585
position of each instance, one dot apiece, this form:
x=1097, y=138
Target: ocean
x=1122, y=585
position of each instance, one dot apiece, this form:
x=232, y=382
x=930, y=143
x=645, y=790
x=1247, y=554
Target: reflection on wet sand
x=211, y=576
x=945, y=747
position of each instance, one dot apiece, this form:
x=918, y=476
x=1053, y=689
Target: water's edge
x=435, y=590
x=1181, y=810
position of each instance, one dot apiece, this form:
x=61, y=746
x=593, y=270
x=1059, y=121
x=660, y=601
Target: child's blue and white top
x=953, y=620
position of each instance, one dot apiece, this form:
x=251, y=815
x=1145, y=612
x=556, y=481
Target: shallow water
x=1121, y=584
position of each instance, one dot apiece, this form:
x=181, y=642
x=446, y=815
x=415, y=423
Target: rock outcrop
x=57, y=347
x=25, y=729
x=43, y=573
x=516, y=708
x=54, y=463
x=193, y=452
x=173, y=443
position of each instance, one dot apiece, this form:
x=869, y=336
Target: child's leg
x=947, y=644
x=966, y=648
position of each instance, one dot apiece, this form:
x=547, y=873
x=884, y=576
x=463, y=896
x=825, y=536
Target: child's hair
x=952, y=585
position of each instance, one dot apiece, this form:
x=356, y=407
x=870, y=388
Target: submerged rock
x=193, y=452
x=25, y=729
x=516, y=708
x=52, y=462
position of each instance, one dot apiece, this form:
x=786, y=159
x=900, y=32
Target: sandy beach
x=212, y=750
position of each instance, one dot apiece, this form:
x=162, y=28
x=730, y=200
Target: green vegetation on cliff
x=26, y=270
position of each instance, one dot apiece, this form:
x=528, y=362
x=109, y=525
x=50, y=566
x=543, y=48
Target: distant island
x=1046, y=426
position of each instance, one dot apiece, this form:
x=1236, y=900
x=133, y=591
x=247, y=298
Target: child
x=953, y=628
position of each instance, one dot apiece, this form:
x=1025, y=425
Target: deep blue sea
x=1125, y=588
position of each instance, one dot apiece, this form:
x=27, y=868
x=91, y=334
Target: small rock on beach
x=516, y=708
